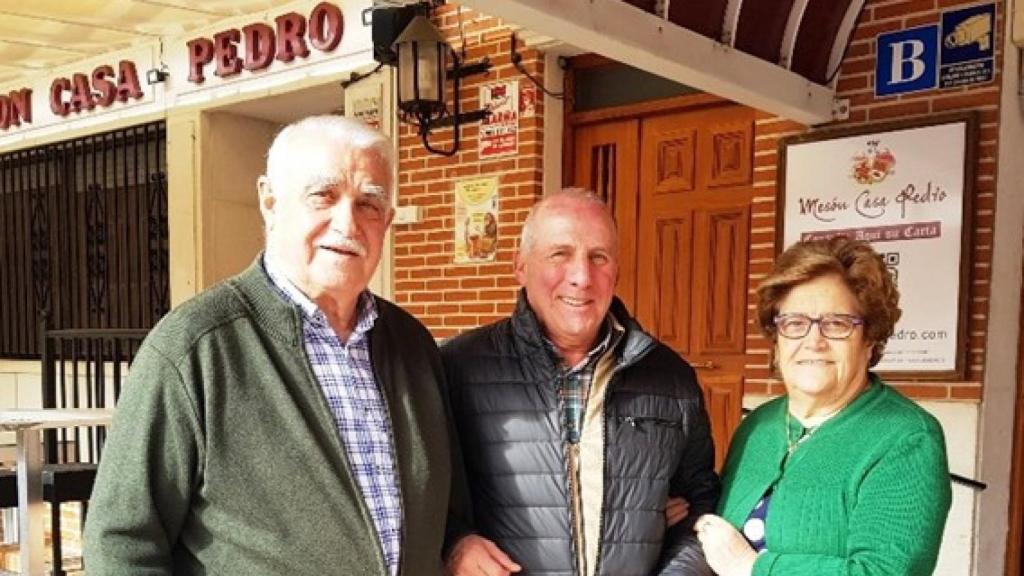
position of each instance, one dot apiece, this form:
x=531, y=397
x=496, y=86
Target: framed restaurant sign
x=904, y=187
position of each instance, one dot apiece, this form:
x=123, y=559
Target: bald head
x=571, y=199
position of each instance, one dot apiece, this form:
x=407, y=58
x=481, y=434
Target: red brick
x=902, y=9
x=901, y=110
x=973, y=99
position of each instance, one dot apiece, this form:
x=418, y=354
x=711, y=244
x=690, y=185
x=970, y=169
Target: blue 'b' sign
x=907, y=61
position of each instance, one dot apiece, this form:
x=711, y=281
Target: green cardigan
x=866, y=494
x=224, y=457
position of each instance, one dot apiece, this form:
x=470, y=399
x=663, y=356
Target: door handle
x=709, y=365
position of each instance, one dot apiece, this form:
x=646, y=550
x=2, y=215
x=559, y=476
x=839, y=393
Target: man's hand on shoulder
x=676, y=509
x=477, y=556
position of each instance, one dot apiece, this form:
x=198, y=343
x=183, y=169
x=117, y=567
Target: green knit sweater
x=224, y=457
x=866, y=494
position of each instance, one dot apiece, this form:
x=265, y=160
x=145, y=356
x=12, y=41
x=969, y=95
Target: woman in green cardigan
x=843, y=475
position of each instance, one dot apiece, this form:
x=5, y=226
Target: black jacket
x=503, y=386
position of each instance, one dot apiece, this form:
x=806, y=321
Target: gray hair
x=352, y=134
x=582, y=195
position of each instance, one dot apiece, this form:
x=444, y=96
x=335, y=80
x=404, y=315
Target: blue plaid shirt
x=345, y=374
x=574, y=389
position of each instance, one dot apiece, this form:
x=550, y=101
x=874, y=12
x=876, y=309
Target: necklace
x=805, y=434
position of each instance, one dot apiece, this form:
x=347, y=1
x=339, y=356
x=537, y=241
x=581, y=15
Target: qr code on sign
x=892, y=262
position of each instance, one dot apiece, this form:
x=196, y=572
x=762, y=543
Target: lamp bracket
x=450, y=120
x=463, y=70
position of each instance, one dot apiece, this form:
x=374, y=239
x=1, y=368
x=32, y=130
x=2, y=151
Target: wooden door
x=684, y=219
x=606, y=162
x=694, y=209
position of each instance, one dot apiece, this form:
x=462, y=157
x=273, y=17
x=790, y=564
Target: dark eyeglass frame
x=821, y=321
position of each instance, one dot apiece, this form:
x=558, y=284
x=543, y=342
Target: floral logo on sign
x=873, y=165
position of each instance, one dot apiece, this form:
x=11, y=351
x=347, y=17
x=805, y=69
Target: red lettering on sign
x=86, y=92
x=290, y=28
x=81, y=93
x=326, y=25
x=128, y=81
x=226, y=52
x=57, y=89
x=285, y=41
x=259, y=46
x=107, y=90
x=200, y=53
x=15, y=107
x=21, y=106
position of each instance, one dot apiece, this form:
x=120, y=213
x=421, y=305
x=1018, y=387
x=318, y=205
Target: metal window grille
x=83, y=236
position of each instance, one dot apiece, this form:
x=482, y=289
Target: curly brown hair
x=860, y=268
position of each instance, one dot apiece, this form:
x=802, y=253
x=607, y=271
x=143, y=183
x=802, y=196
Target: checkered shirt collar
x=608, y=329
x=310, y=311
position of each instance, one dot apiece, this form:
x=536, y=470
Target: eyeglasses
x=831, y=326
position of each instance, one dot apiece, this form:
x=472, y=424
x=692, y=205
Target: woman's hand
x=726, y=550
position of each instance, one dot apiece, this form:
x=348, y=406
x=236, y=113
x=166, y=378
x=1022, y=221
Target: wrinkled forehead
x=589, y=225
x=323, y=163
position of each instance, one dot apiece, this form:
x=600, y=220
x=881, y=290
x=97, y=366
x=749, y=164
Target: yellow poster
x=476, y=220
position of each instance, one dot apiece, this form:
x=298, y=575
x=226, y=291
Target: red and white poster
x=499, y=132
x=528, y=101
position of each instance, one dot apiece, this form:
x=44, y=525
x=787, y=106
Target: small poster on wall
x=499, y=132
x=528, y=101
x=476, y=220
x=905, y=188
x=365, y=102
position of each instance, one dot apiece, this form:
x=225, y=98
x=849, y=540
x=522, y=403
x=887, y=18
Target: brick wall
x=450, y=298
x=856, y=81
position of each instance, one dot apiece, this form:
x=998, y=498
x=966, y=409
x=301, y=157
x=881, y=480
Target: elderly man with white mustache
x=286, y=421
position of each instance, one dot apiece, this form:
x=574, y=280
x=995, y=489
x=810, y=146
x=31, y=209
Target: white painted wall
x=554, y=119
x=233, y=152
x=1001, y=358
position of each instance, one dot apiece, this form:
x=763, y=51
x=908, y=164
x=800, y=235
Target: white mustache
x=348, y=245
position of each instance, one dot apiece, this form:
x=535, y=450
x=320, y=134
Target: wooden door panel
x=723, y=399
x=606, y=163
x=674, y=162
x=664, y=272
x=664, y=303
x=730, y=155
x=720, y=259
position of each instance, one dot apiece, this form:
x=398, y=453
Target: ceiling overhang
x=773, y=72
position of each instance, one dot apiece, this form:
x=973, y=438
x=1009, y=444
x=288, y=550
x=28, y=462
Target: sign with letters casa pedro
x=905, y=188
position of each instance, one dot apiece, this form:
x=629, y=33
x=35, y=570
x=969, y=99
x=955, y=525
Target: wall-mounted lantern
x=423, y=58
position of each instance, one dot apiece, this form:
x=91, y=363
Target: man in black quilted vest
x=578, y=428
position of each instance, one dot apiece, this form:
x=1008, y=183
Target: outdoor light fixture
x=156, y=75
x=422, y=60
